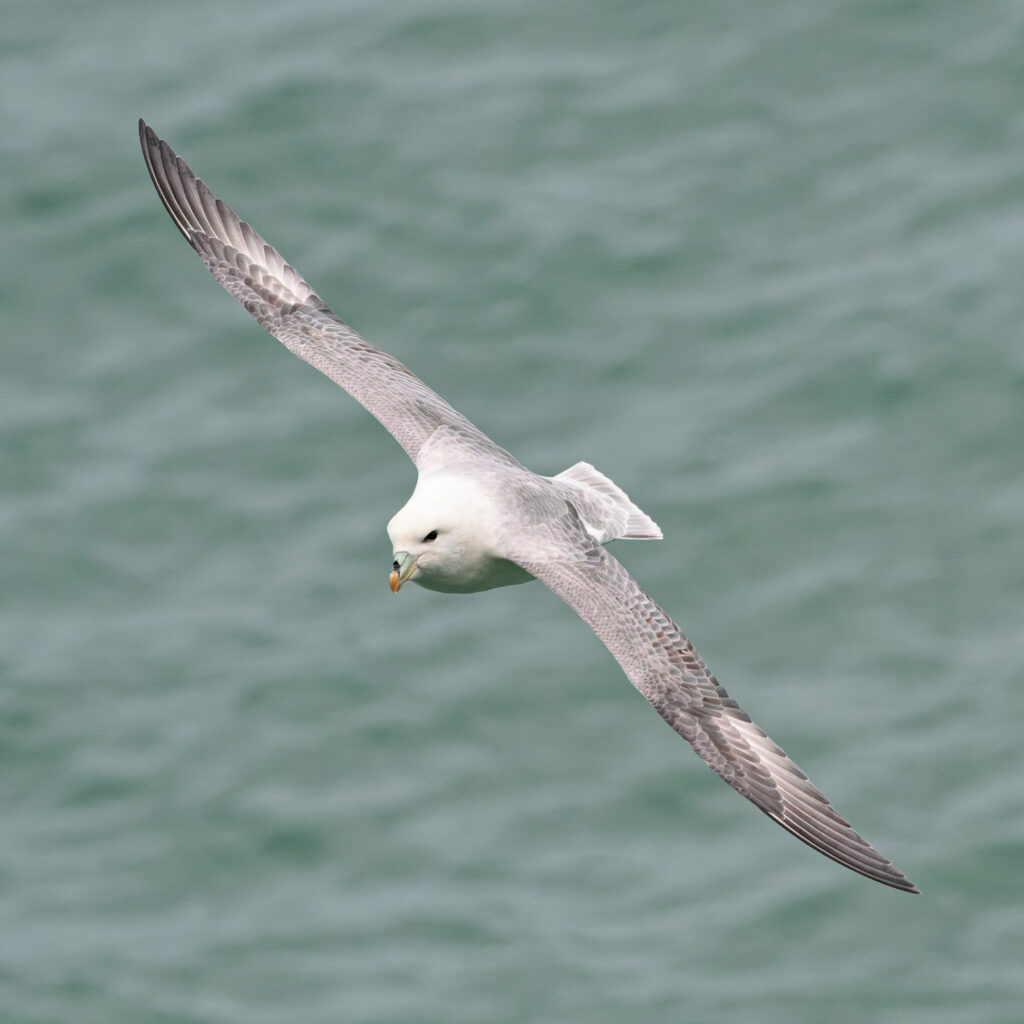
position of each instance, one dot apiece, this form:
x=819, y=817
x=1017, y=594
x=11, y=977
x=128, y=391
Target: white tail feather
x=638, y=526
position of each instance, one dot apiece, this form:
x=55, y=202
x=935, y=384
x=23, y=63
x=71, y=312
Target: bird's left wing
x=664, y=666
x=282, y=302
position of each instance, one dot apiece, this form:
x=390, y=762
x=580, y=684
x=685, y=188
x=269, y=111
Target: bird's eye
x=432, y=536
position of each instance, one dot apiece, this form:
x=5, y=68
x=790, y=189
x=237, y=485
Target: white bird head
x=437, y=537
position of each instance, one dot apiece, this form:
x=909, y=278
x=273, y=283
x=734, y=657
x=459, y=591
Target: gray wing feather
x=275, y=294
x=664, y=666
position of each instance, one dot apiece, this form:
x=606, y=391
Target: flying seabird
x=478, y=519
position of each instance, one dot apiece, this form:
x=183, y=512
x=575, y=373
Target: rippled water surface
x=760, y=264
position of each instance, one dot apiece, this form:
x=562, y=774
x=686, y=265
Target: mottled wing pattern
x=664, y=666
x=281, y=301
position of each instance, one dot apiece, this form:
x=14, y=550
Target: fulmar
x=478, y=519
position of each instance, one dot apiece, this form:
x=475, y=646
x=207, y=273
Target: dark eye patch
x=432, y=536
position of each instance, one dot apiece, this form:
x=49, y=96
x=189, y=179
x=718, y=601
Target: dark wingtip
x=158, y=155
x=147, y=137
x=903, y=885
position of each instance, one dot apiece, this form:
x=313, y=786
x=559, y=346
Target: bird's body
x=475, y=513
x=478, y=519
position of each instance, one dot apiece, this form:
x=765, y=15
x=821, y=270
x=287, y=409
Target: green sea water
x=760, y=264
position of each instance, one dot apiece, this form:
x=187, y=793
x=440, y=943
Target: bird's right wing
x=664, y=666
x=280, y=300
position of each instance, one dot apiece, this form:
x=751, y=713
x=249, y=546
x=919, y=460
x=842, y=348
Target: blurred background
x=760, y=264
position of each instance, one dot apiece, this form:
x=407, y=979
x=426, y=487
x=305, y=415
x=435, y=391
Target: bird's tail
x=629, y=521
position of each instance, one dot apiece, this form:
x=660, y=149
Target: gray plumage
x=479, y=519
